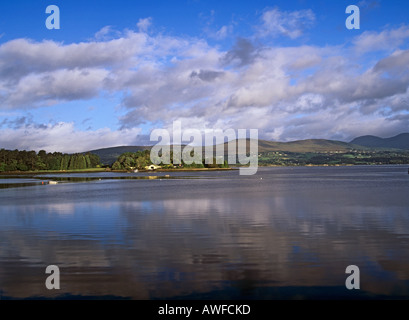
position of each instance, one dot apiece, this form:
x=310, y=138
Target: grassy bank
x=89, y=170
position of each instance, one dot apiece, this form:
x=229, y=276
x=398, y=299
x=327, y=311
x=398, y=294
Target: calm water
x=285, y=233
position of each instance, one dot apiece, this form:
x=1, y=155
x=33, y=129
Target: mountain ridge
x=365, y=143
x=400, y=141
x=109, y=155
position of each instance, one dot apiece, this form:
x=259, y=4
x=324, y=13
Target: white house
x=152, y=167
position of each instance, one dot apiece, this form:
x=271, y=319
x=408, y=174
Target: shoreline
x=175, y=170
x=98, y=170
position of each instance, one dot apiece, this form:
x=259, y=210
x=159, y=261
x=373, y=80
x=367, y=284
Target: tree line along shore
x=15, y=161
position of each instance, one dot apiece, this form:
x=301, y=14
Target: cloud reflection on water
x=176, y=238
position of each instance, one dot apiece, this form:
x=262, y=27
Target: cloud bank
x=291, y=92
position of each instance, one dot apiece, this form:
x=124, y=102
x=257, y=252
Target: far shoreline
x=99, y=170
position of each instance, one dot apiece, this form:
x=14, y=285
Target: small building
x=152, y=167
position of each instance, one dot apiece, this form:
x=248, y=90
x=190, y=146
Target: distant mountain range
x=401, y=141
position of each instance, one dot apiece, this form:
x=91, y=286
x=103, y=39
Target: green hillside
x=109, y=155
x=310, y=146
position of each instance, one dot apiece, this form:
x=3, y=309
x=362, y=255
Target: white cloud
x=106, y=33
x=144, y=24
x=221, y=33
x=21, y=57
x=395, y=63
x=290, y=24
x=60, y=85
x=386, y=40
x=63, y=137
x=286, y=92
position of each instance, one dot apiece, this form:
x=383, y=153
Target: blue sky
x=115, y=70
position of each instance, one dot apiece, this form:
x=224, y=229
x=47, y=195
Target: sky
x=116, y=70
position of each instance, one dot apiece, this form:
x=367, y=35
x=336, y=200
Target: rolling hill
x=400, y=141
x=109, y=155
x=310, y=145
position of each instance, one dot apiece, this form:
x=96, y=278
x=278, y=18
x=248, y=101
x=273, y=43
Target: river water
x=284, y=233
